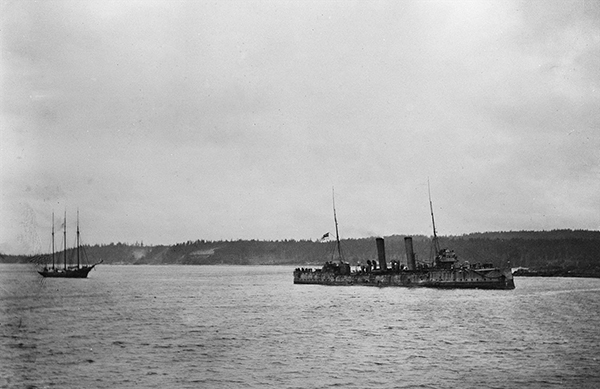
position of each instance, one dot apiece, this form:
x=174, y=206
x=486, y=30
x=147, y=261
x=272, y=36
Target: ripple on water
x=188, y=327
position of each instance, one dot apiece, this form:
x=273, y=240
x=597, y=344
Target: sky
x=168, y=121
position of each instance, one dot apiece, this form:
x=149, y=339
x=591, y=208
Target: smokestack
x=410, y=255
x=381, y=253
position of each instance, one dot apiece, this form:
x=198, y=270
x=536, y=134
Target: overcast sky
x=168, y=121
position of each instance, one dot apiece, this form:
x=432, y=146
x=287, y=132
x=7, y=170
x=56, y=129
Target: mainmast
x=78, y=238
x=436, y=244
x=65, y=239
x=337, y=234
x=52, y=240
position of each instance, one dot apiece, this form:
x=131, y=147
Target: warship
x=445, y=271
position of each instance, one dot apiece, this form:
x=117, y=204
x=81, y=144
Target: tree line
x=576, y=250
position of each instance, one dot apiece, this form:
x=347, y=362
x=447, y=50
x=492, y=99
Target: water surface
x=251, y=327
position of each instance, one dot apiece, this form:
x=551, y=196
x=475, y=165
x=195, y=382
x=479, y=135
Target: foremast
x=442, y=258
x=436, y=243
x=78, y=238
x=65, y=240
x=337, y=233
x=53, y=265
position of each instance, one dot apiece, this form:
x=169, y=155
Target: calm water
x=250, y=327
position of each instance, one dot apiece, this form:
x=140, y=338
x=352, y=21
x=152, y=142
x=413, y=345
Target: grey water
x=251, y=327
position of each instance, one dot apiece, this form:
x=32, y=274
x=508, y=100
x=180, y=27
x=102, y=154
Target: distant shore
x=556, y=253
x=555, y=273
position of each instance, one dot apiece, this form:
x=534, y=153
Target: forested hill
x=559, y=249
x=553, y=234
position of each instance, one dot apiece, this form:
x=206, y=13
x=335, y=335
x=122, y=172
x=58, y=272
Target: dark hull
x=443, y=279
x=82, y=272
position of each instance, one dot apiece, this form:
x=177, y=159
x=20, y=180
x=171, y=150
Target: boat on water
x=445, y=271
x=68, y=270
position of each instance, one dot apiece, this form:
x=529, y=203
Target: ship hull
x=82, y=272
x=443, y=279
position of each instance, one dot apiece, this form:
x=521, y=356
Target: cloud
x=173, y=121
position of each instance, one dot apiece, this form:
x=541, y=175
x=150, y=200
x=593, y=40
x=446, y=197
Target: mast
x=337, y=234
x=436, y=244
x=52, y=240
x=78, y=238
x=65, y=239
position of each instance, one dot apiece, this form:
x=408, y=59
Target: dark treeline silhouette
x=576, y=251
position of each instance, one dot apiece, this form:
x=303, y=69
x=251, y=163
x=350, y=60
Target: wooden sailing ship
x=77, y=270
